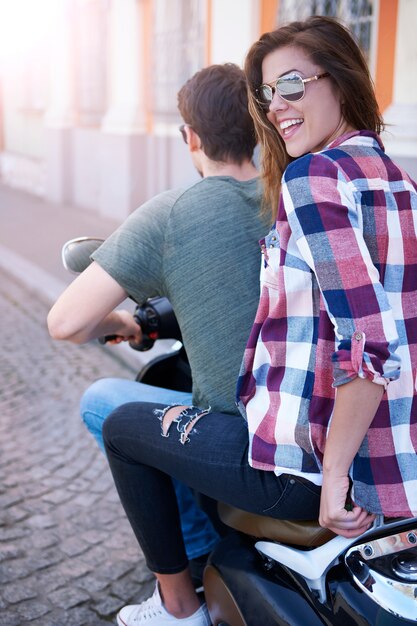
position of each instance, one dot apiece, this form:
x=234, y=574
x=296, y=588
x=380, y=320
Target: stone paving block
x=8, y=552
x=51, y=482
x=38, y=473
x=95, y=557
x=13, y=515
x=10, y=534
x=39, y=540
x=131, y=591
x=74, y=546
x=125, y=541
x=10, y=620
x=131, y=557
x=43, y=560
x=113, y=497
x=35, y=506
x=68, y=473
x=113, y=571
x=9, y=500
x=102, y=487
x=135, y=594
x=58, y=497
x=86, y=500
x=13, y=570
x=17, y=593
x=109, y=606
x=142, y=574
x=42, y=521
x=10, y=447
x=78, y=616
x=93, y=472
x=34, y=490
x=32, y=609
x=92, y=583
x=51, y=464
x=68, y=598
x=52, y=579
x=107, y=515
x=96, y=536
x=78, y=485
x=75, y=569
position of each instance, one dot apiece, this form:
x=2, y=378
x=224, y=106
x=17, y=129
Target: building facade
x=88, y=113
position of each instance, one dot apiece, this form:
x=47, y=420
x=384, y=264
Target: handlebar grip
x=107, y=338
x=145, y=344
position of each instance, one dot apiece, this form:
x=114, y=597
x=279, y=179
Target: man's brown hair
x=214, y=103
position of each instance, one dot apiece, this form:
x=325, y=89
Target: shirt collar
x=358, y=138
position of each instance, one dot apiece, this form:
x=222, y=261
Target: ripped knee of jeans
x=184, y=417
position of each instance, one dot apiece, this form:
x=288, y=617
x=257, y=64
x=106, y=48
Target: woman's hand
x=333, y=512
x=355, y=406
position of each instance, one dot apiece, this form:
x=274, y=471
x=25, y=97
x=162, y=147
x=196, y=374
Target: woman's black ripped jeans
x=210, y=457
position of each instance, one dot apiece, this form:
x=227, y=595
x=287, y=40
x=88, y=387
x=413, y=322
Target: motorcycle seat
x=308, y=534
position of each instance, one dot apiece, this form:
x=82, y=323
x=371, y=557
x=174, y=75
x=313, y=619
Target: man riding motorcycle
x=182, y=244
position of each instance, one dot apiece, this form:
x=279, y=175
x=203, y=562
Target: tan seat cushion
x=307, y=533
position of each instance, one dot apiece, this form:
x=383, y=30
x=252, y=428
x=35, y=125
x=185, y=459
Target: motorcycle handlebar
x=157, y=321
x=155, y=317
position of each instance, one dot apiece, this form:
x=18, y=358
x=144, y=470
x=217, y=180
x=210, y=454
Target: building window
x=358, y=15
x=179, y=44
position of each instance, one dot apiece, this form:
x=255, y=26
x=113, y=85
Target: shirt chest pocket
x=270, y=259
x=295, y=282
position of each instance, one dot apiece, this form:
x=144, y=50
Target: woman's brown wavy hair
x=332, y=47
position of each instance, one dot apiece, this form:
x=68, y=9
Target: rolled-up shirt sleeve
x=324, y=213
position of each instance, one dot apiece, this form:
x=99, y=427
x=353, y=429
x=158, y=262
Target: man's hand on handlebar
x=126, y=329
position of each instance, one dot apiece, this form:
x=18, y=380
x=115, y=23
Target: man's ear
x=193, y=140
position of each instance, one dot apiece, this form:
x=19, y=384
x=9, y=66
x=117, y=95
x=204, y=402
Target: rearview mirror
x=76, y=253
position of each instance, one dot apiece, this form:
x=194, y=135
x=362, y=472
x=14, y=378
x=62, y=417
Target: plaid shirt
x=338, y=300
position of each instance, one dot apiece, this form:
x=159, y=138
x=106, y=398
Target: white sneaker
x=153, y=613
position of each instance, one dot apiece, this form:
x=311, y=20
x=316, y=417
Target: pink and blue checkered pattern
x=338, y=300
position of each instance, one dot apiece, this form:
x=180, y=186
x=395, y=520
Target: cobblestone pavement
x=67, y=554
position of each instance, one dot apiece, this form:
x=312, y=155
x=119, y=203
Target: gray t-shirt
x=199, y=248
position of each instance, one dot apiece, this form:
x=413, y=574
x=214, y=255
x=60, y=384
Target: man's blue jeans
x=105, y=395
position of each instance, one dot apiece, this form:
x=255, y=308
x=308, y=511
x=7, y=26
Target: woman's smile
x=289, y=126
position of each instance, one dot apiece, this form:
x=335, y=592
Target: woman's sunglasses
x=290, y=87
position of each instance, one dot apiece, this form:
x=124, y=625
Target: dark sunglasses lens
x=290, y=88
x=265, y=94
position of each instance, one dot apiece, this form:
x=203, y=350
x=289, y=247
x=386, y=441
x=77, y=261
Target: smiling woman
x=323, y=371
x=308, y=114
x=294, y=52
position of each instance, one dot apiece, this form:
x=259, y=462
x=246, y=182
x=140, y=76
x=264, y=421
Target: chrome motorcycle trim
x=389, y=544
x=366, y=564
x=404, y=568
x=313, y=565
x=395, y=597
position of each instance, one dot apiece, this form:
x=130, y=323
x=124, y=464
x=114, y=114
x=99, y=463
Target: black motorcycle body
x=369, y=581
x=266, y=572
